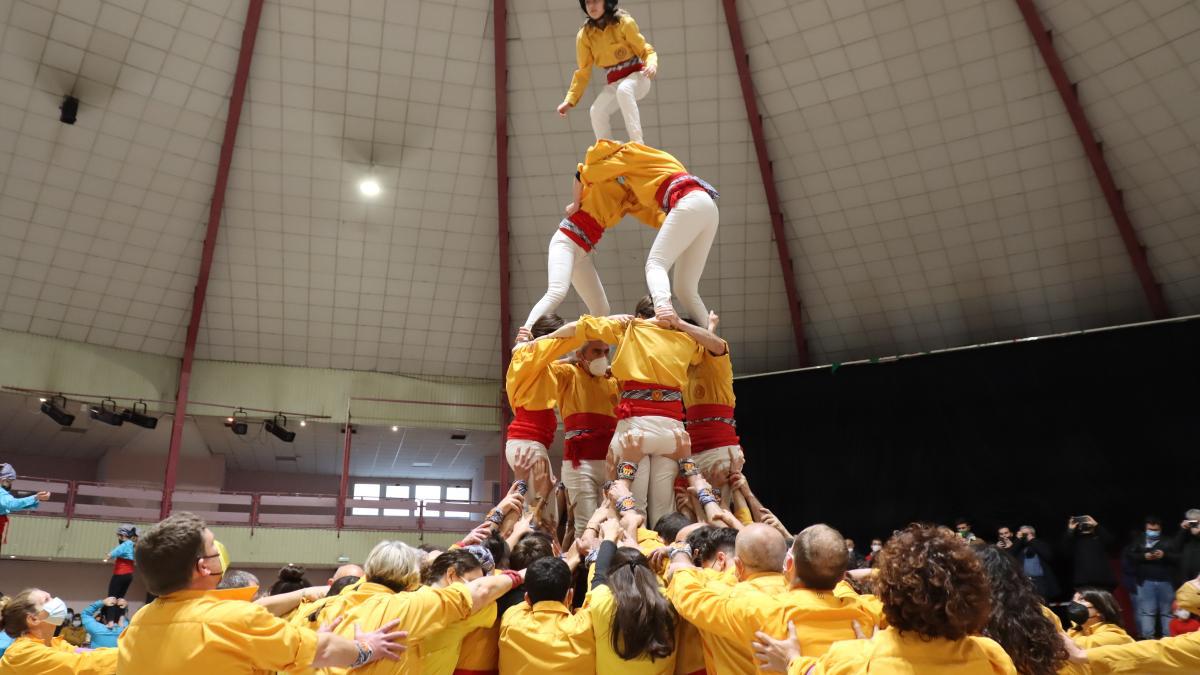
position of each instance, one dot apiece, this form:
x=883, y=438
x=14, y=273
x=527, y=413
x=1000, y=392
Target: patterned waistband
x=624, y=64
x=574, y=433
x=686, y=178
x=727, y=420
x=652, y=395
x=577, y=231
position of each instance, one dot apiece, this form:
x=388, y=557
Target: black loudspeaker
x=70, y=109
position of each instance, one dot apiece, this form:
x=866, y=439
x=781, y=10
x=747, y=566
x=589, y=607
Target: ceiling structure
x=934, y=191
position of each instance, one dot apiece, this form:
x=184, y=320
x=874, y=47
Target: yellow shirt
x=725, y=615
x=610, y=201
x=423, y=613
x=645, y=352
x=644, y=168
x=581, y=392
x=30, y=656
x=710, y=382
x=1180, y=654
x=202, y=633
x=481, y=649
x=602, y=606
x=618, y=42
x=689, y=650
x=546, y=638
x=871, y=603
x=444, y=647
x=1100, y=635
x=529, y=383
x=891, y=653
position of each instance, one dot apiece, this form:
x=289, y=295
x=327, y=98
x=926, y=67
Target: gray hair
x=238, y=579
x=1028, y=527
x=394, y=564
x=1192, y=514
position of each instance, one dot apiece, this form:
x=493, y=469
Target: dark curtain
x=1104, y=424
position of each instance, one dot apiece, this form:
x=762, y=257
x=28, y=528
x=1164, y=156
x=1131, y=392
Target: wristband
x=522, y=487
x=591, y=556
x=680, y=549
x=688, y=468
x=626, y=470
x=717, y=493
x=495, y=516
x=364, y=655
x=706, y=497
x=627, y=503
x=515, y=578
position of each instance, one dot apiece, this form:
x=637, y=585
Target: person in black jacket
x=1086, y=549
x=1187, y=545
x=1037, y=560
x=1154, y=561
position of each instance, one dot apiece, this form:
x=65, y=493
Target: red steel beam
x=344, y=486
x=500, y=38
x=742, y=58
x=1112, y=195
x=249, y=34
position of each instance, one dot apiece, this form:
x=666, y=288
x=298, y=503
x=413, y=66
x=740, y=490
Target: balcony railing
x=104, y=501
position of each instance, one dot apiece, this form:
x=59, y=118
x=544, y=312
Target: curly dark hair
x=1017, y=621
x=932, y=584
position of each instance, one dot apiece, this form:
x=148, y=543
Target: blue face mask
x=1152, y=534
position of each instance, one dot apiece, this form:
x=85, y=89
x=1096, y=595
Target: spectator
x=962, y=526
x=103, y=630
x=1096, y=619
x=291, y=578
x=855, y=561
x=122, y=560
x=936, y=599
x=1037, y=561
x=73, y=632
x=10, y=504
x=30, y=619
x=1187, y=545
x=1019, y=621
x=1004, y=539
x=1086, y=548
x=1153, y=561
x=873, y=557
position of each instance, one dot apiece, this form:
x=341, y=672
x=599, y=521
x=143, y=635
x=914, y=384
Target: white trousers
x=684, y=241
x=568, y=264
x=717, y=459
x=511, y=448
x=654, y=484
x=623, y=94
x=585, y=487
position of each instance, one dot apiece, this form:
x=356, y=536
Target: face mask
x=598, y=367
x=1078, y=613
x=77, y=623
x=876, y=548
x=1152, y=534
x=1182, y=614
x=56, y=611
x=850, y=550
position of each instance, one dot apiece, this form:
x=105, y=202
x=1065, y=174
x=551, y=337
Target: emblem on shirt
x=700, y=391
x=657, y=395
x=622, y=53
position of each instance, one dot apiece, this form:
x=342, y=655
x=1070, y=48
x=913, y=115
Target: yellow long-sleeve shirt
x=480, y=650
x=529, y=382
x=581, y=392
x=546, y=638
x=618, y=42
x=645, y=352
x=1180, y=654
x=610, y=201
x=728, y=617
x=443, y=648
x=710, y=382
x=200, y=633
x=30, y=656
x=423, y=613
x=644, y=168
x=602, y=606
x=1100, y=635
x=893, y=653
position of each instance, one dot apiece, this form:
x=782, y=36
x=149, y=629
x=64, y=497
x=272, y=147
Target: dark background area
x=1103, y=424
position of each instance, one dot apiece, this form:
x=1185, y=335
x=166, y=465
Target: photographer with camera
x=1036, y=560
x=1086, y=547
x=1187, y=544
x=1153, y=560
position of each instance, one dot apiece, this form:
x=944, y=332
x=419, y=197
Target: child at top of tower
x=611, y=39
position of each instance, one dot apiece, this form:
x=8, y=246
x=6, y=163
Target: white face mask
x=598, y=367
x=1182, y=614
x=56, y=610
x=876, y=548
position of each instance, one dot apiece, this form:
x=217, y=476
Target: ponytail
x=644, y=621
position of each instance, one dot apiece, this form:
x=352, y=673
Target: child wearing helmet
x=611, y=39
x=122, y=559
x=10, y=504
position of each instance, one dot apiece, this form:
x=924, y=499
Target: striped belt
x=666, y=198
x=575, y=433
x=652, y=395
x=727, y=420
x=578, y=231
x=624, y=64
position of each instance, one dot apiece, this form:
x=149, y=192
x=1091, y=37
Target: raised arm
x=583, y=71
x=706, y=338
x=486, y=590
x=283, y=603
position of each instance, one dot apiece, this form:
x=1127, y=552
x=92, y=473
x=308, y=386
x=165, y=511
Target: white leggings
x=683, y=241
x=625, y=93
x=569, y=264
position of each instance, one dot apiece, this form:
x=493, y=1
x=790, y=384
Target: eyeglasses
x=208, y=557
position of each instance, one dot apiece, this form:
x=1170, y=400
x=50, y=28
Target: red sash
x=533, y=425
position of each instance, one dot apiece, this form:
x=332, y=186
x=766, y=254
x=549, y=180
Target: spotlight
x=303, y=423
x=278, y=427
x=369, y=187
x=395, y=428
x=106, y=414
x=56, y=409
x=237, y=422
x=43, y=399
x=69, y=108
x=141, y=419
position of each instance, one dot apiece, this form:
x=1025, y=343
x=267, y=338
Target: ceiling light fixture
x=395, y=428
x=107, y=414
x=142, y=419
x=303, y=423
x=278, y=427
x=369, y=187
x=56, y=409
x=237, y=422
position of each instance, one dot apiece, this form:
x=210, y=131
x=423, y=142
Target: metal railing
x=140, y=504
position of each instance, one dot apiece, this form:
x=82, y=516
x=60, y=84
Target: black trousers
x=118, y=585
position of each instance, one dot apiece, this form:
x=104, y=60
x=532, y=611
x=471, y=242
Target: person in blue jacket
x=105, y=629
x=122, y=559
x=10, y=504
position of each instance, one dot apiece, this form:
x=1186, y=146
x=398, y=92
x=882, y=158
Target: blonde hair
x=394, y=564
x=15, y=611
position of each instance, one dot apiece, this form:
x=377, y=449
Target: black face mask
x=1077, y=613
